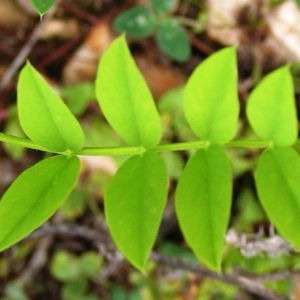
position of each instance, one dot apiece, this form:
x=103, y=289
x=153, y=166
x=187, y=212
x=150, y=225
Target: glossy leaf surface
x=136, y=22
x=44, y=117
x=134, y=205
x=277, y=181
x=34, y=197
x=271, y=108
x=125, y=99
x=210, y=98
x=203, y=201
x=173, y=40
x=42, y=6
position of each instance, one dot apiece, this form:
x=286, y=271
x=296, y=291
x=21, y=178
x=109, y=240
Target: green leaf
x=134, y=204
x=271, y=108
x=210, y=98
x=203, y=200
x=65, y=267
x=277, y=181
x=125, y=98
x=34, y=197
x=44, y=117
x=42, y=6
x=137, y=22
x=91, y=263
x=164, y=6
x=173, y=40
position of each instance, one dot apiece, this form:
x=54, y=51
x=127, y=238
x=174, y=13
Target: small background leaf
x=271, y=108
x=173, y=40
x=277, y=181
x=125, y=99
x=42, y=6
x=134, y=205
x=44, y=117
x=203, y=201
x=34, y=196
x=164, y=6
x=137, y=22
x=210, y=98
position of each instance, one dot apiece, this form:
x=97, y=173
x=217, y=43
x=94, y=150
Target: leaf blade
x=210, y=100
x=271, y=108
x=164, y=7
x=277, y=181
x=34, y=196
x=129, y=108
x=173, y=40
x=42, y=6
x=44, y=117
x=137, y=22
x=134, y=205
x=202, y=209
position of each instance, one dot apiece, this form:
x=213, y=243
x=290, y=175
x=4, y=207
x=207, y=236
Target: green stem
x=131, y=150
x=15, y=140
x=194, y=24
x=109, y=151
x=181, y=146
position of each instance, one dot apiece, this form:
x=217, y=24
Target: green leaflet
x=34, y=196
x=125, y=98
x=137, y=22
x=210, y=98
x=277, y=180
x=134, y=204
x=271, y=108
x=42, y=6
x=165, y=6
x=173, y=40
x=203, y=201
x=44, y=117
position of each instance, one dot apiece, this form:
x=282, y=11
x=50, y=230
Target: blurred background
x=72, y=257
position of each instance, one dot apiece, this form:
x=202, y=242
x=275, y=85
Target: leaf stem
x=109, y=151
x=15, y=140
x=132, y=150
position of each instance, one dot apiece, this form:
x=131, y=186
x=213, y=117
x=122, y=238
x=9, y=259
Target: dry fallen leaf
x=64, y=29
x=83, y=64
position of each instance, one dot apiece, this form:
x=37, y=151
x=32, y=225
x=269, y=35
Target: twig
x=37, y=261
x=21, y=57
x=242, y=282
x=245, y=282
x=198, y=44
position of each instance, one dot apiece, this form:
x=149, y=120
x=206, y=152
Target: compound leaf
x=125, y=99
x=42, y=6
x=210, y=98
x=44, y=117
x=137, y=22
x=34, y=196
x=271, y=108
x=173, y=40
x=134, y=204
x=203, y=201
x=277, y=181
